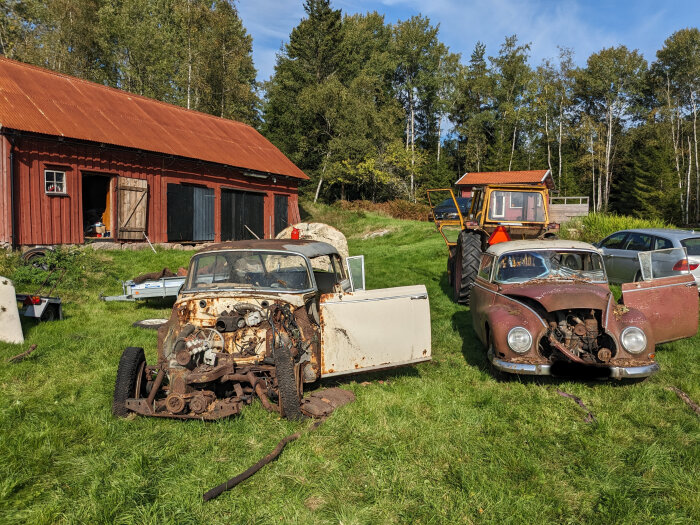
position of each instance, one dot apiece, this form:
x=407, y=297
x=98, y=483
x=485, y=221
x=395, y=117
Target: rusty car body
x=260, y=318
x=544, y=307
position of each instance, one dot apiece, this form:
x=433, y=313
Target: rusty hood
x=562, y=295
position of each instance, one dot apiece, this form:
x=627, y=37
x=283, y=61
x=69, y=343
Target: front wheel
x=466, y=265
x=131, y=379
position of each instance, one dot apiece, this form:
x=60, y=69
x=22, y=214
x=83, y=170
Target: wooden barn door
x=281, y=213
x=240, y=209
x=132, y=202
x=190, y=213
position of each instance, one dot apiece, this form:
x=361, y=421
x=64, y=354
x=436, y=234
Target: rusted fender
x=509, y=314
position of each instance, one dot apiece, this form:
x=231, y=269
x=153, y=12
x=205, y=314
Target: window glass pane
x=485, y=268
x=54, y=181
x=663, y=244
x=639, y=242
x=692, y=245
x=524, y=266
x=522, y=206
x=615, y=241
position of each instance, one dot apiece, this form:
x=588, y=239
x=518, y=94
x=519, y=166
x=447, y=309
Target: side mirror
x=356, y=271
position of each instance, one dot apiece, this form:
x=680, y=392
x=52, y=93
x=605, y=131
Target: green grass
x=596, y=226
x=442, y=442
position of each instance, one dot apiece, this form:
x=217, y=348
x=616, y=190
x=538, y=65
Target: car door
x=667, y=295
x=612, y=248
x=374, y=329
x=482, y=296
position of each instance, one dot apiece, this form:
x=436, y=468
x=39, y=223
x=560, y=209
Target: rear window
x=692, y=245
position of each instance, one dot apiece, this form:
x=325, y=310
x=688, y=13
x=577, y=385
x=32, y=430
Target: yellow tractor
x=497, y=213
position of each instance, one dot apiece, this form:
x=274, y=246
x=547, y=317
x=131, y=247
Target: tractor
x=498, y=213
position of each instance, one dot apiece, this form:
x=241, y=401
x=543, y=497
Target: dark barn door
x=180, y=212
x=203, y=229
x=238, y=210
x=281, y=207
x=190, y=213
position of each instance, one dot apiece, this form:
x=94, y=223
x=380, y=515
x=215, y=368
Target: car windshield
x=523, y=266
x=245, y=269
x=692, y=245
x=448, y=204
x=516, y=206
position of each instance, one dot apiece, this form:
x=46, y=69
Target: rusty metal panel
x=41, y=101
x=374, y=329
x=506, y=177
x=670, y=305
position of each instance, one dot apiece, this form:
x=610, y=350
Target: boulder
x=318, y=231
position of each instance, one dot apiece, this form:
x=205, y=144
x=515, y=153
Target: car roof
x=306, y=247
x=536, y=244
x=667, y=232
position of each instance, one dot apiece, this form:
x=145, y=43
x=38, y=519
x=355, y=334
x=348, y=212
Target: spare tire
x=131, y=364
x=290, y=401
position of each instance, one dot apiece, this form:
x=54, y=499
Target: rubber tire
x=287, y=384
x=125, y=385
x=35, y=257
x=466, y=265
x=49, y=314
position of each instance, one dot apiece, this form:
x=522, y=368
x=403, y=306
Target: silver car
x=621, y=248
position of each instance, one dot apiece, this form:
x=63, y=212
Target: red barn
x=79, y=160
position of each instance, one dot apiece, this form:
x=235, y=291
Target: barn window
x=55, y=182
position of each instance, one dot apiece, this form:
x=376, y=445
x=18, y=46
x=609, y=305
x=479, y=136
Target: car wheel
x=35, y=257
x=466, y=265
x=131, y=375
x=49, y=313
x=287, y=384
x=288, y=390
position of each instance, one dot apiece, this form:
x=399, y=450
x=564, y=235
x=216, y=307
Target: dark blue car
x=446, y=209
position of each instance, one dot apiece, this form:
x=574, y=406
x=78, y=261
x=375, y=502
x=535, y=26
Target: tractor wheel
x=131, y=365
x=466, y=265
x=289, y=399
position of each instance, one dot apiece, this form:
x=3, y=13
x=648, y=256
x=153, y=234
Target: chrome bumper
x=616, y=372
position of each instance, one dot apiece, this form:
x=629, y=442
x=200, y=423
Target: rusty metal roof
x=507, y=177
x=41, y=101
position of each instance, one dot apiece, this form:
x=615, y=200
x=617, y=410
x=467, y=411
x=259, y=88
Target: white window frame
x=54, y=182
x=502, y=198
x=510, y=200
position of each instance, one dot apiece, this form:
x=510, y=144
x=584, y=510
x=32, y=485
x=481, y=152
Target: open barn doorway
x=97, y=206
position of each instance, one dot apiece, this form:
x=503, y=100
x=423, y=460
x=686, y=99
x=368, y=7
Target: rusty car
x=259, y=319
x=544, y=307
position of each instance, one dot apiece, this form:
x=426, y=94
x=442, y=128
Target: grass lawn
x=442, y=442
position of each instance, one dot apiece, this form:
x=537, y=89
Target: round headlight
x=519, y=340
x=633, y=340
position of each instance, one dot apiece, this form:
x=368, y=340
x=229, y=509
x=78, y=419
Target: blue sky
x=584, y=26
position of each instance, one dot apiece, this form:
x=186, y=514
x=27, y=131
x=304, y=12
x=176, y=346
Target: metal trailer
x=152, y=289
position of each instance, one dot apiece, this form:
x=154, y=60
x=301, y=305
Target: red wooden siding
x=5, y=207
x=53, y=219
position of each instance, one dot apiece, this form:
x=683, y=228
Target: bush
x=398, y=209
x=596, y=226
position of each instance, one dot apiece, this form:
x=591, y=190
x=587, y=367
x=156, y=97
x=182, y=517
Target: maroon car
x=541, y=307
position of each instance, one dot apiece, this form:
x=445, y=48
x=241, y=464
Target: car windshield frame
x=188, y=288
x=567, y=274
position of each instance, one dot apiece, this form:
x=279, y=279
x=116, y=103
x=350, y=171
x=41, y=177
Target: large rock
x=318, y=231
x=10, y=327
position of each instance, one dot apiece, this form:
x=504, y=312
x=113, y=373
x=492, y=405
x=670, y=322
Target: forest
x=379, y=111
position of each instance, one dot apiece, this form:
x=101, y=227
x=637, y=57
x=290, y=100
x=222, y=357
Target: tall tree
x=677, y=71
x=609, y=88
